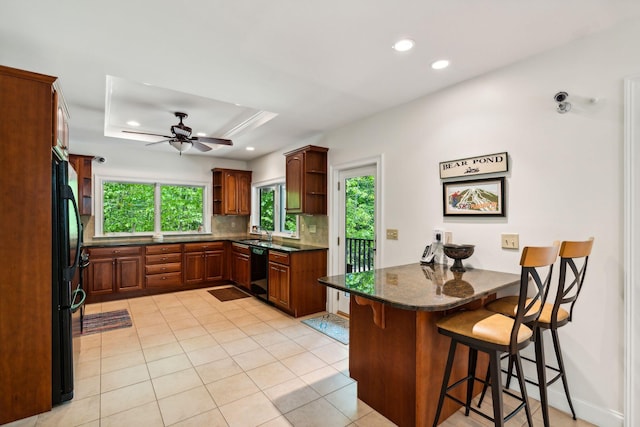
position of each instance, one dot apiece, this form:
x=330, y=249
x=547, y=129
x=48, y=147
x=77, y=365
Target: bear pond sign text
x=471, y=166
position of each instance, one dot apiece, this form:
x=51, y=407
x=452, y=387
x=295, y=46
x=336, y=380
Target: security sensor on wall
x=564, y=106
x=100, y=159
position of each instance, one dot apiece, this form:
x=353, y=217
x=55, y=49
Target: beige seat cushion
x=484, y=325
x=509, y=305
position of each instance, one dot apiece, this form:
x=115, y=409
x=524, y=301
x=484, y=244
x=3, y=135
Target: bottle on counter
x=439, y=256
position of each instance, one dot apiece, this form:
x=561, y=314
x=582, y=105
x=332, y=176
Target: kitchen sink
x=264, y=244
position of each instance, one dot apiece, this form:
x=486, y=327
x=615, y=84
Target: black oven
x=259, y=281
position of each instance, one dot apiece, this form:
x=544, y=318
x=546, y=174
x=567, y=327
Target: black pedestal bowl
x=458, y=253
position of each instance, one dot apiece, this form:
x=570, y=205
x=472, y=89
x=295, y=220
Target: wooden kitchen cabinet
x=27, y=129
x=231, y=192
x=83, y=167
x=306, y=180
x=163, y=266
x=279, y=280
x=241, y=265
x=293, y=281
x=114, y=270
x=204, y=262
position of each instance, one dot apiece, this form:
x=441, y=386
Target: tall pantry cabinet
x=27, y=119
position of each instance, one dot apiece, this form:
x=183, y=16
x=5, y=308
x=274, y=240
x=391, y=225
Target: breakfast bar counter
x=396, y=354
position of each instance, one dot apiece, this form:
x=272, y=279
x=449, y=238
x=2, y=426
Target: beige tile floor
x=191, y=360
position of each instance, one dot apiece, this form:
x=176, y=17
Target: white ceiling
x=316, y=64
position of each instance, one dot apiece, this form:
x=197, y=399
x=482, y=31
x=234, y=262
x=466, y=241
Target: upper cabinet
x=306, y=180
x=82, y=165
x=231, y=192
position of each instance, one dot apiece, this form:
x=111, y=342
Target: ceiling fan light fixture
x=181, y=146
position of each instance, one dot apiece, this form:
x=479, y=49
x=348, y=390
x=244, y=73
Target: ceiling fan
x=181, y=138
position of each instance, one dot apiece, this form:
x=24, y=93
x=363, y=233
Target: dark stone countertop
x=421, y=287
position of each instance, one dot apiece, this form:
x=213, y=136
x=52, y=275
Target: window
x=269, y=212
x=130, y=208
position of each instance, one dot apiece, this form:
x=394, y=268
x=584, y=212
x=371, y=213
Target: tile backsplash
x=314, y=230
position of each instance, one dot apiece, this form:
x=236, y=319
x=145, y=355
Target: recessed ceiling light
x=404, y=45
x=440, y=64
x=133, y=123
x=250, y=148
x=201, y=134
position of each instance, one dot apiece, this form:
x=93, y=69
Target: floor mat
x=228, y=294
x=332, y=325
x=107, y=321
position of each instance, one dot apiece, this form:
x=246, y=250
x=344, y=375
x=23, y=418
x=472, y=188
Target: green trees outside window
x=181, y=208
x=128, y=208
x=136, y=208
x=272, y=215
x=360, y=207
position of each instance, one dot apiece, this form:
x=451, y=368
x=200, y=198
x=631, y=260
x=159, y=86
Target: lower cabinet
x=204, y=262
x=279, y=280
x=293, y=281
x=115, y=271
x=126, y=271
x=241, y=265
x=163, y=266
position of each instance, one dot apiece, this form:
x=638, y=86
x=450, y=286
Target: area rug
x=331, y=325
x=107, y=321
x=228, y=294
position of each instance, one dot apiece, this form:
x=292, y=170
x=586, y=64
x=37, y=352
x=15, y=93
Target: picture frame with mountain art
x=481, y=197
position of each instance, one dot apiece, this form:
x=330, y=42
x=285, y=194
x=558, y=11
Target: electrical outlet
x=392, y=234
x=438, y=235
x=312, y=228
x=510, y=241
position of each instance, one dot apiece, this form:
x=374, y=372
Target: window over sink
x=130, y=208
x=268, y=209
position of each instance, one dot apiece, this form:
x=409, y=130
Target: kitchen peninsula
x=396, y=354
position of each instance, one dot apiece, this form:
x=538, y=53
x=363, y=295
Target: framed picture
x=482, y=197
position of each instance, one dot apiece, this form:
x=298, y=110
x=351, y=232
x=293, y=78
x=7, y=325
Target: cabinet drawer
x=164, y=268
x=163, y=249
x=115, y=251
x=163, y=259
x=243, y=249
x=279, y=257
x=204, y=246
x=167, y=279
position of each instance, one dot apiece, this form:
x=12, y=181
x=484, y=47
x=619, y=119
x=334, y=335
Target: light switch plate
x=510, y=241
x=392, y=234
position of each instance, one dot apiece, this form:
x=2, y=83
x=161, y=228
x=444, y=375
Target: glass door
x=357, y=225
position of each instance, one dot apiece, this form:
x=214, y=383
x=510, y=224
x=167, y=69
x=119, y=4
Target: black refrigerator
x=67, y=294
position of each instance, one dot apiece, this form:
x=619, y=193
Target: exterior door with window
x=356, y=196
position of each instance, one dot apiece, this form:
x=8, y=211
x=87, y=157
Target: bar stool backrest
x=574, y=257
x=532, y=261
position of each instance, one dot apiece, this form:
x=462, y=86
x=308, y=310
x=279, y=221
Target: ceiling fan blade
x=146, y=133
x=199, y=146
x=220, y=141
x=158, y=142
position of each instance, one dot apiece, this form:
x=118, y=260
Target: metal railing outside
x=359, y=254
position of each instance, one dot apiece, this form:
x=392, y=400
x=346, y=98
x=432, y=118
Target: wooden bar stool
x=574, y=257
x=497, y=334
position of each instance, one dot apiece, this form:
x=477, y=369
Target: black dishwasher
x=259, y=281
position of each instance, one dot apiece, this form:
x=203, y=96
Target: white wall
x=565, y=182
x=147, y=163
